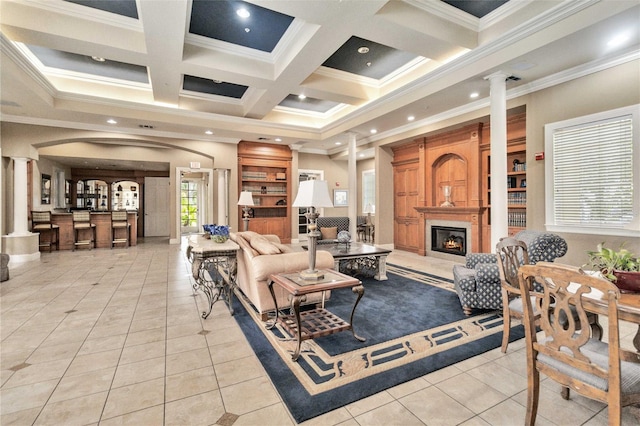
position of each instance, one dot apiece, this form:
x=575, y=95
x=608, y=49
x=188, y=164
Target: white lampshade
x=313, y=193
x=369, y=208
x=246, y=199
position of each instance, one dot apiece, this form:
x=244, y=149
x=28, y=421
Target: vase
x=627, y=281
x=219, y=238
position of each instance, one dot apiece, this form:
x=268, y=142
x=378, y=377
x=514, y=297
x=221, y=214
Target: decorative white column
x=223, y=196
x=353, y=187
x=21, y=244
x=20, y=214
x=499, y=213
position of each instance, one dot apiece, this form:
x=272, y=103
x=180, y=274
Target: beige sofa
x=262, y=255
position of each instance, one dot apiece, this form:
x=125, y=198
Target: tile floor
x=115, y=337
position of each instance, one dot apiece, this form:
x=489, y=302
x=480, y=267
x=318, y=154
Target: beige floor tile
x=499, y=378
x=185, y=361
x=434, y=407
x=370, y=403
x=146, y=336
x=54, y=352
x=38, y=373
x=239, y=370
x=181, y=330
x=228, y=352
x=137, y=372
x=71, y=387
x=248, y=396
x=506, y=413
x=33, y=395
x=91, y=362
x=20, y=418
x=275, y=414
x=149, y=416
x=78, y=411
x=393, y=413
x=409, y=387
x=141, y=352
x=186, y=343
x=222, y=336
x=102, y=344
x=339, y=416
x=190, y=383
x=472, y=393
x=134, y=397
x=202, y=409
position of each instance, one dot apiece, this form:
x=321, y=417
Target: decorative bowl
x=219, y=238
x=344, y=237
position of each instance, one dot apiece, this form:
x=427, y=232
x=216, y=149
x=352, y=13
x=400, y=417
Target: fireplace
x=449, y=239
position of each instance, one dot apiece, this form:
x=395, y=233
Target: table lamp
x=246, y=200
x=368, y=210
x=312, y=194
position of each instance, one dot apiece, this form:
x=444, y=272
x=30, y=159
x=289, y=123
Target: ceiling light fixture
x=278, y=140
x=247, y=30
x=338, y=143
x=302, y=97
x=208, y=132
x=112, y=121
x=374, y=131
x=363, y=49
x=618, y=40
x=98, y=59
x=410, y=118
x=243, y=13
x=474, y=95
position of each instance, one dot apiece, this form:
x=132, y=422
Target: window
x=592, y=174
x=368, y=189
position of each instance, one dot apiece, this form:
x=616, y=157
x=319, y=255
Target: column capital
x=497, y=74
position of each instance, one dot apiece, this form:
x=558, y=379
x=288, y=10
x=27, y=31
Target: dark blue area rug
x=413, y=324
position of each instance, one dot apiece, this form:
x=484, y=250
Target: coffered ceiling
x=300, y=73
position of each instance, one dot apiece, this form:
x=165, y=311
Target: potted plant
x=621, y=267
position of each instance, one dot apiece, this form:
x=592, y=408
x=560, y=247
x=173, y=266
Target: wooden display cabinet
x=265, y=171
x=516, y=189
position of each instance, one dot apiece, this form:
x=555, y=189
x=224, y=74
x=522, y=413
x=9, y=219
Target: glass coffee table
x=358, y=259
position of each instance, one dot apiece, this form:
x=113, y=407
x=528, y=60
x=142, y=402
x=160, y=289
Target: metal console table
x=214, y=268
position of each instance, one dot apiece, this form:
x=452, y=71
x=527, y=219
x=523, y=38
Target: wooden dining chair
x=567, y=353
x=513, y=253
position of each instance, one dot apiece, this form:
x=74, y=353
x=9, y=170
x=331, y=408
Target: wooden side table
x=319, y=321
x=214, y=268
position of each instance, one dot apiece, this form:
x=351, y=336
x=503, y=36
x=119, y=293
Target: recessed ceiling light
x=98, y=59
x=278, y=140
x=474, y=95
x=302, y=97
x=374, y=131
x=247, y=30
x=410, y=118
x=618, y=40
x=338, y=143
x=243, y=13
x=363, y=49
x=112, y=121
x=361, y=155
x=208, y=132
x=368, y=64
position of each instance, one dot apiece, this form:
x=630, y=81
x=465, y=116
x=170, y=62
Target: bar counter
x=102, y=221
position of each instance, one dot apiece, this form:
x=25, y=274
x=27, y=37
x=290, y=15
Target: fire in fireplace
x=448, y=239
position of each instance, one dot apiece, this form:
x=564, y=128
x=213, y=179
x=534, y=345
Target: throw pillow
x=329, y=233
x=264, y=246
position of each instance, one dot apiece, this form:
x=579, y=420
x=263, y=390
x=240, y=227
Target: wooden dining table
x=628, y=309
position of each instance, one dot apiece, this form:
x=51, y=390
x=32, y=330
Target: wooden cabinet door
x=405, y=181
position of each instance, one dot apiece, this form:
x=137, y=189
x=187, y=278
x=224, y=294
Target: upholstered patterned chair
x=341, y=223
x=478, y=281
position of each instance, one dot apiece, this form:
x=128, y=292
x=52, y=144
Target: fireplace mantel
x=472, y=215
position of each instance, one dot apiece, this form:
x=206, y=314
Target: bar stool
x=119, y=221
x=82, y=223
x=41, y=223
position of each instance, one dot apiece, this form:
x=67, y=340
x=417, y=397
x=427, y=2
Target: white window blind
x=592, y=181
x=368, y=188
x=593, y=174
